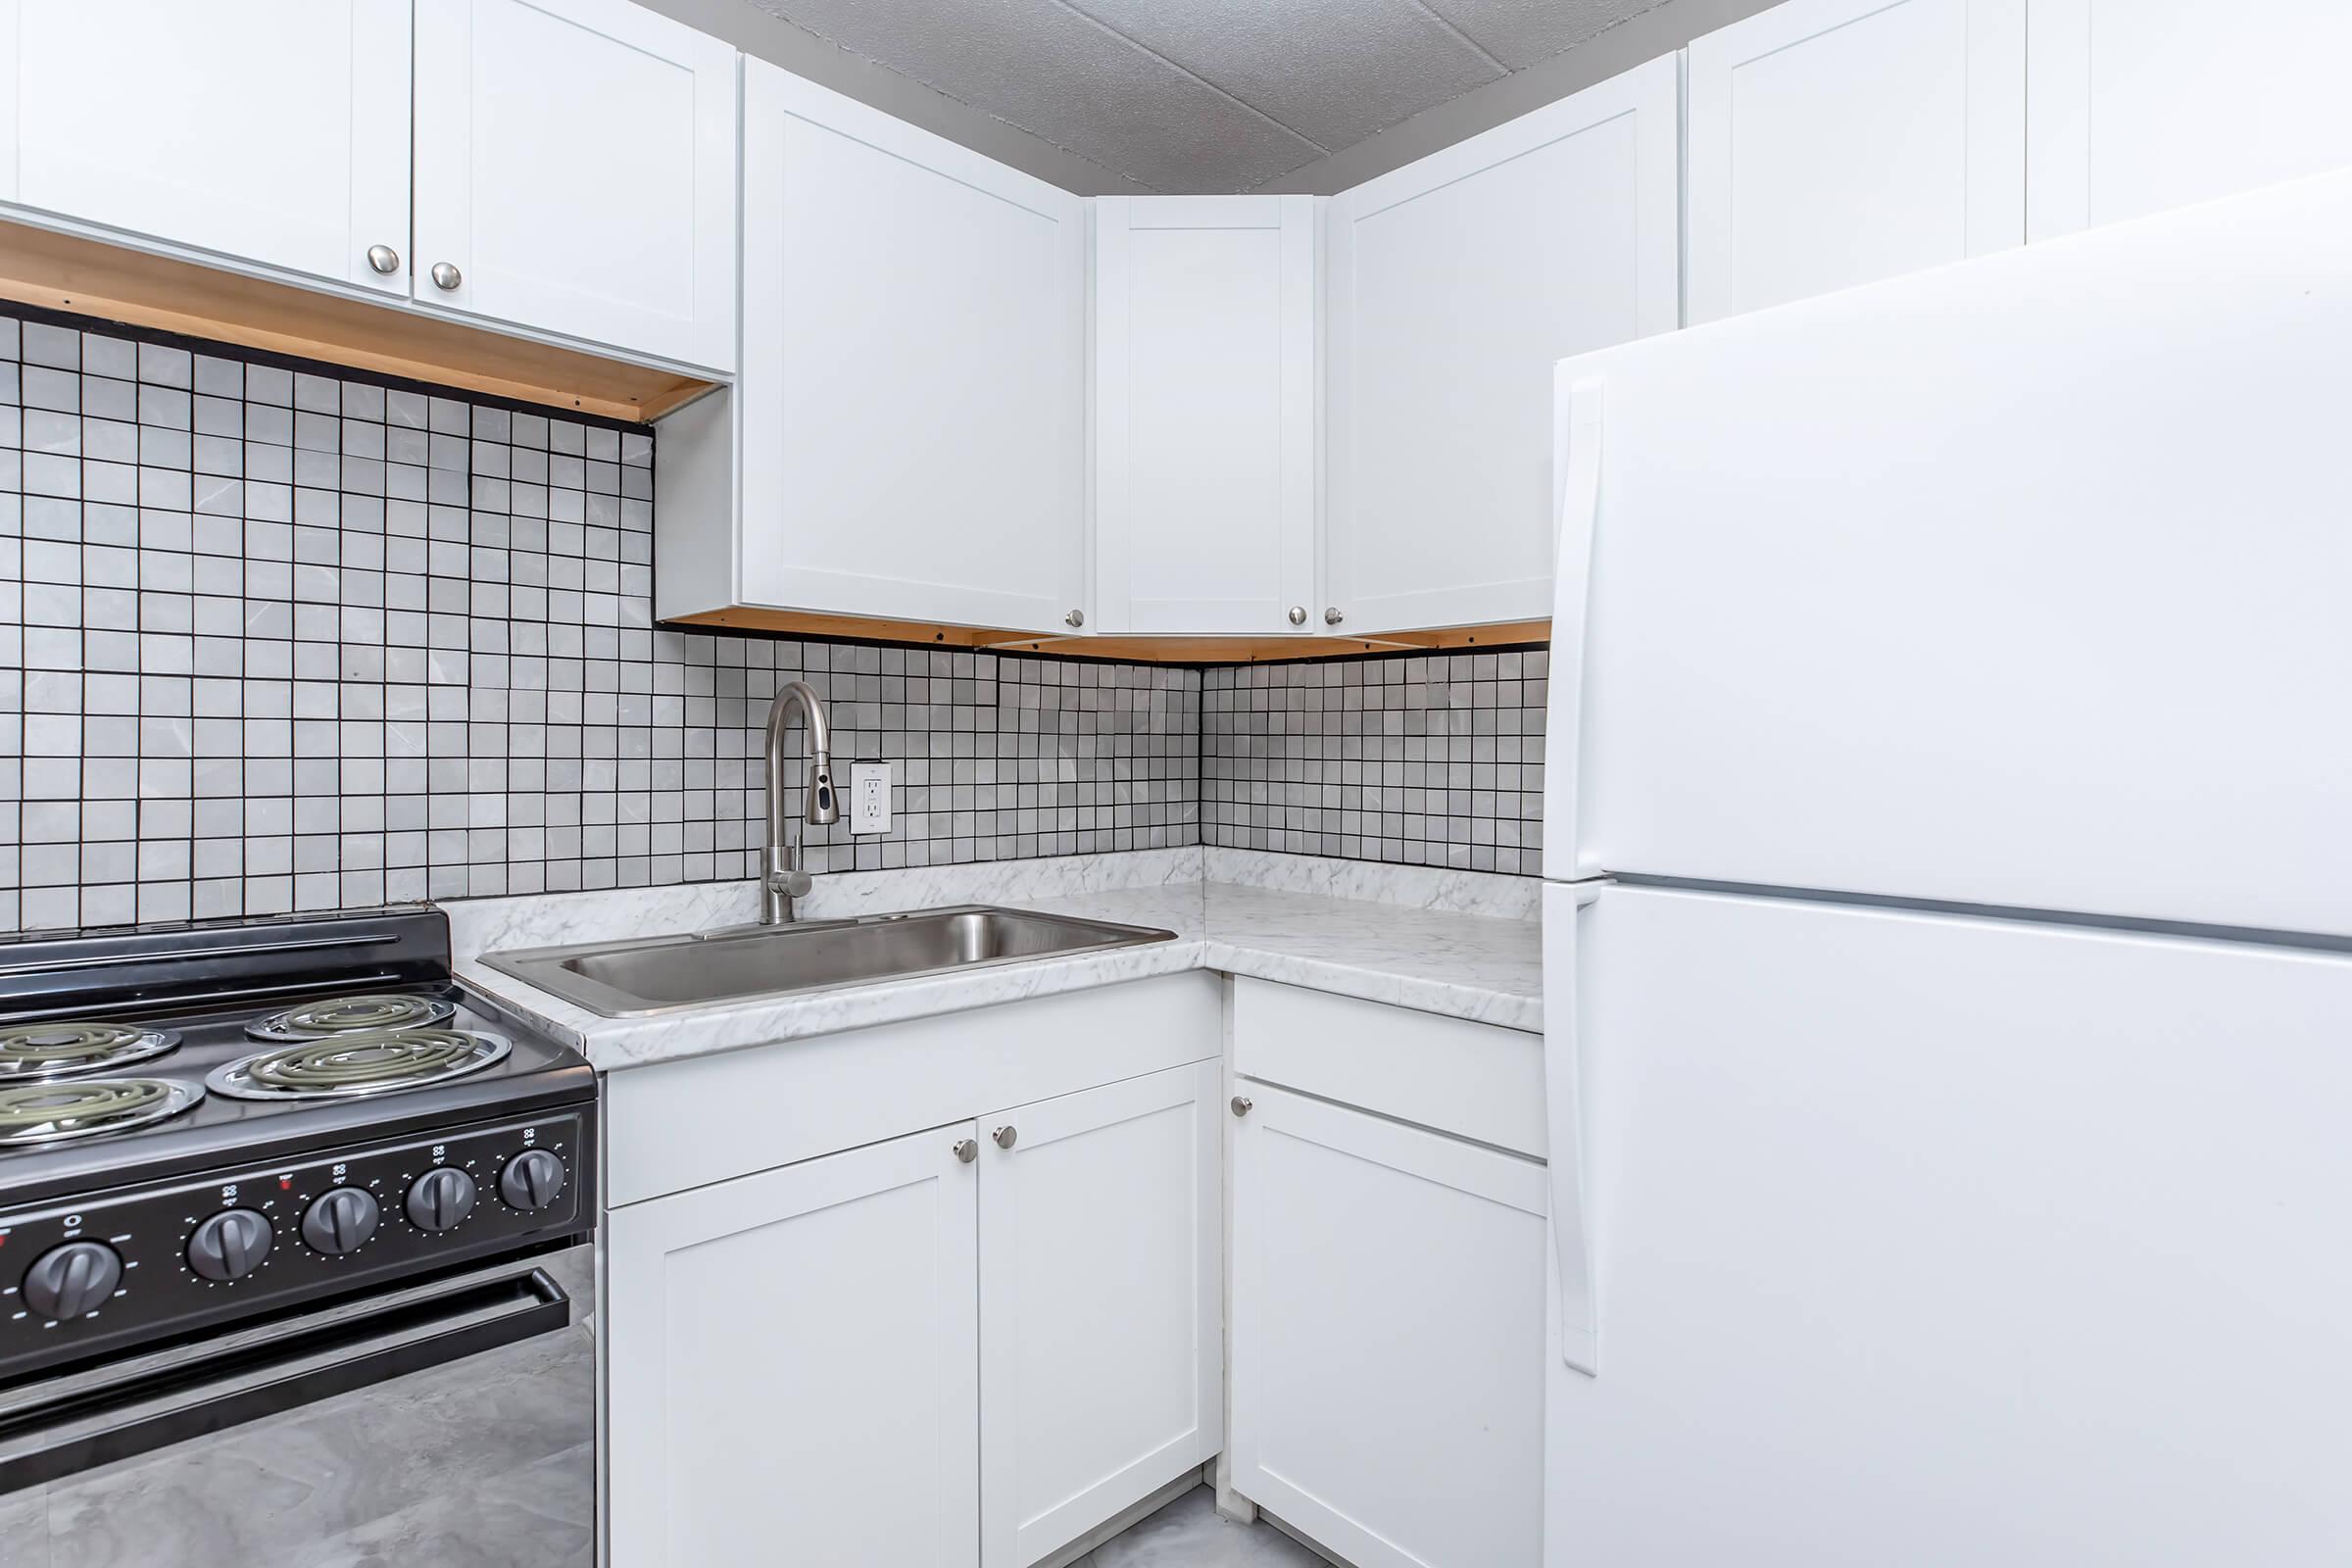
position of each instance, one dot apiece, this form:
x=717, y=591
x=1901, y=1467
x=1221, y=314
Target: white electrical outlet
x=869, y=798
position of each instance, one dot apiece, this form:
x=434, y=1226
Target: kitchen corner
x=978, y=784
x=1462, y=944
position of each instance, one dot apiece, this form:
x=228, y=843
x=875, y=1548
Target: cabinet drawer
x=1474, y=1080
x=683, y=1124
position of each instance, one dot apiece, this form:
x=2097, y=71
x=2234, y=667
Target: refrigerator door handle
x=1576, y=458
x=1564, y=1149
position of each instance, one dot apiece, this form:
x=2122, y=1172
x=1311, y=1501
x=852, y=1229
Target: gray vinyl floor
x=1187, y=1533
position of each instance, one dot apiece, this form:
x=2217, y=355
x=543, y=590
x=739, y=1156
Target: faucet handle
x=792, y=882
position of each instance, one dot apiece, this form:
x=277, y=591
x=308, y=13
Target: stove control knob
x=71, y=1279
x=531, y=1180
x=339, y=1221
x=230, y=1244
x=440, y=1198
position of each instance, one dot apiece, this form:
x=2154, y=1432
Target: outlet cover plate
x=869, y=798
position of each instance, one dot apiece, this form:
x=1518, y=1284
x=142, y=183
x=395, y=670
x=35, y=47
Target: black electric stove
x=211, y=1125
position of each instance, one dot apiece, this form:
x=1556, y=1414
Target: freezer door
x=2021, y=583
x=1939, y=1241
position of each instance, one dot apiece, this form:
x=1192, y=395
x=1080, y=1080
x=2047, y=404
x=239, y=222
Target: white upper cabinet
x=575, y=173
x=2139, y=105
x=1452, y=286
x=1834, y=142
x=279, y=136
x=913, y=402
x=1205, y=413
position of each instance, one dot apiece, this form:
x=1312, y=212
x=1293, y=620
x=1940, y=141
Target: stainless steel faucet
x=784, y=880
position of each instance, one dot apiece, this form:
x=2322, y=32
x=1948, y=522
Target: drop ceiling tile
x=1334, y=71
x=1055, y=74
x=1520, y=32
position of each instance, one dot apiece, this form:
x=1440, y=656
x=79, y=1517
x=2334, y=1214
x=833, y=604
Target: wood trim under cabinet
x=63, y=272
x=1162, y=649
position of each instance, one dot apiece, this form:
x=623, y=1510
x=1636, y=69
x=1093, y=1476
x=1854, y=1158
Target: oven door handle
x=89, y=1424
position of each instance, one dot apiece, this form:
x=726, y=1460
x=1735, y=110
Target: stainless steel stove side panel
x=486, y=1462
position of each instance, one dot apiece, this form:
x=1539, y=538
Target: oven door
x=451, y=1424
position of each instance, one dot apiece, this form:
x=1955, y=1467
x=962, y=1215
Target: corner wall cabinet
x=1206, y=364
x=1453, y=285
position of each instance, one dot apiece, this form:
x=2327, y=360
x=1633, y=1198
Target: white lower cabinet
x=1387, y=1335
x=1100, y=1306
x=971, y=1344
x=795, y=1365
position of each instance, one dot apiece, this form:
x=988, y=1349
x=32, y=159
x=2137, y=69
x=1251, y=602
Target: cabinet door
x=1101, y=1318
x=793, y=1365
x=2138, y=105
x=280, y=138
x=575, y=168
x=1387, y=1335
x=912, y=402
x=1205, y=413
x=1834, y=142
x=1453, y=286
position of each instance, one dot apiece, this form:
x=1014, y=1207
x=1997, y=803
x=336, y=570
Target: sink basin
x=663, y=974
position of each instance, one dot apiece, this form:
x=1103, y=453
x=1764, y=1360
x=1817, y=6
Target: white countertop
x=1481, y=967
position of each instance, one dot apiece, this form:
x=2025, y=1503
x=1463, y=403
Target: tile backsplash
x=1416, y=759
x=275, y=637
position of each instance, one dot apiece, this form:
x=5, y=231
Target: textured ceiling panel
x=1332, y=71
x=1520, y=32
x=1204, y=95
x=1057, y=73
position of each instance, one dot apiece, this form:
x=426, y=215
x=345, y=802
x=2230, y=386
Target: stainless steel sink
x=664, y=974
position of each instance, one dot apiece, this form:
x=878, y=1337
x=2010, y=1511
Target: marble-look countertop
x=1484, y=967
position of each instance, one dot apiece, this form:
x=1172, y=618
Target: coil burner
x=361, y=1062
x=70, y=1047
x=89, y=1107
x=342, y=1015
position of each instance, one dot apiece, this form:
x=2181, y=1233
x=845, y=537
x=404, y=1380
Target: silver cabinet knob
x=1332, y=617
x=1297, y=614
x=446, y=277
x=1006, y=1136
x=1242, y=1104
x=383, y=258
x=1076, y=617
x=966, y=1151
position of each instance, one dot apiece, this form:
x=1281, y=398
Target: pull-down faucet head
x=783, y=880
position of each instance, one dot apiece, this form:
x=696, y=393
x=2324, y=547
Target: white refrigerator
x=1949, y=939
